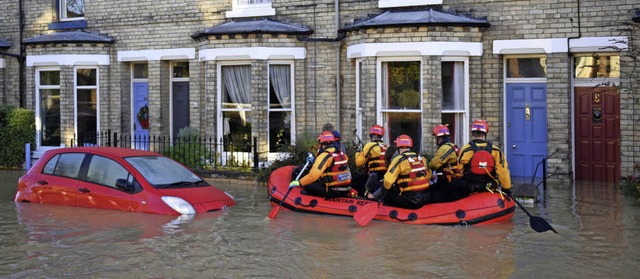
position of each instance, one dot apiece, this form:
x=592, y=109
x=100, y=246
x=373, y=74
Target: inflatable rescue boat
x=479, y=208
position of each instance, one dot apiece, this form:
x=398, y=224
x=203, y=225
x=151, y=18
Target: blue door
x=141, y=115
x=526, y=128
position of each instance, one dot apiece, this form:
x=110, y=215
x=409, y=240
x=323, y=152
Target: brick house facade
x=351, y=63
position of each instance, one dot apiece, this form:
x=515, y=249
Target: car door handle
x=43, y=182
x=84, y=190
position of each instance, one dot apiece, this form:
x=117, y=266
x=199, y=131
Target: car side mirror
x=122, y=184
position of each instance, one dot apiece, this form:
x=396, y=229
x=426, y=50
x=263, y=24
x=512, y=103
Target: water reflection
x=599, y=231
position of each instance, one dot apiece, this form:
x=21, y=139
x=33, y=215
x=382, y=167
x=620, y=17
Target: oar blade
x=366, y=213
x=539, y=224
x=273, y=212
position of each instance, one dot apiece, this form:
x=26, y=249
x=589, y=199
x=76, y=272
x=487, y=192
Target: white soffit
x=156, y=54
x=415, y=49
x=599, y=44
x=253, y=53
x=67, y=60
x=532, y=46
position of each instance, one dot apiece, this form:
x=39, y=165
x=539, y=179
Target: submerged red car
x=119, y=178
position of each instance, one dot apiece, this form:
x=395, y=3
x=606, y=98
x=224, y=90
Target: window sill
x=249, y=11
x=62, y=25
x=406, y=3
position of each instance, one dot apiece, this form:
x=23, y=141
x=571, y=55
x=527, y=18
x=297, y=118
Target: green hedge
x=17, y=127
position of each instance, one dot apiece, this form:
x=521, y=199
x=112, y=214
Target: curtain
x=237, y=81
x=458, y=84
x=280, y=77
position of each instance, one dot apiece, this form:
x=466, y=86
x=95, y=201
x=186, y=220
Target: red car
x=119, y=178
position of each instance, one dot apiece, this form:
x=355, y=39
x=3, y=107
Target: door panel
x=180, y=106
x=597, y=118
x=526, y=128
x=141, y=115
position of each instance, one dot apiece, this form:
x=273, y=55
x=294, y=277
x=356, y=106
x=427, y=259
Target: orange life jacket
x=338, y=174
x=416, y=180
x=448, y=171
x=377, y=164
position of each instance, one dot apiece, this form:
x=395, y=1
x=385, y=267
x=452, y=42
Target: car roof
x=114, y=151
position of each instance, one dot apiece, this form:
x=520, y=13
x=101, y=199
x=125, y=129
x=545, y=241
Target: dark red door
x=597, y=115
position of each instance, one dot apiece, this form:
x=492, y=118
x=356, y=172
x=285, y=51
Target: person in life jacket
x=485, y=166
x=330, y=175
x=407, y=178
x=445, y=164
x=371, y=160
x=338, y=137
x=445, y=161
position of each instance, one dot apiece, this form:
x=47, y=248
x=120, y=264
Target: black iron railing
x=196, y=152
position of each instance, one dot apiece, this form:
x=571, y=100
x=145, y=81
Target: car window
x=51, y=165
x=69, y=165
x=105, y=171
x=162, y=170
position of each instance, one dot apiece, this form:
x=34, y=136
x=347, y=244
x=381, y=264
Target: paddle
x=366, y=213
x=538, y=224
x=274, y=211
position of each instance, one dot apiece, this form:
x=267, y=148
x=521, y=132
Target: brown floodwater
x=599, y=236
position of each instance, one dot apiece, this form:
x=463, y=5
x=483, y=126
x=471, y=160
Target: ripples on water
x=598, y=238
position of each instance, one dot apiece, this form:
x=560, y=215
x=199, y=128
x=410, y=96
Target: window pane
x=456, y=127
x=105, y=171
x=408, y=123
x=74, y=8
x=237, y=130
x=535, y=67
x=597, y=66
x=51, y=165
x=87, y=108
x=49, y=77
x=140, y=71
x=86, y=77
x=69, y=165
x=50, y=116
x=236, y=86
x=401, y=85
x=453, y=86
x=279, y=130
x=181, y=70
x=280, y=86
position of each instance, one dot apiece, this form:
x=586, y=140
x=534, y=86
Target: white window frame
x=241, y=9
x=75, y=98
x=359, y=109
x=379, y=109
x=38, y=99
x=460, y=139
x=62, y=10
x=171, y=81
x=406, y=3
x=279, y=155
x=224, y=155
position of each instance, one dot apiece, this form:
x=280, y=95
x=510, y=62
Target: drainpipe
x=21, y=58
x=338, y=38
x=570, y=84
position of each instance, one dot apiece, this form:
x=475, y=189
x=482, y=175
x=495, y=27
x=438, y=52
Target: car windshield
x=162, y=172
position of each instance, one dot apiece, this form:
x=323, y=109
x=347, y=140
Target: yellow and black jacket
x=501, y=165
x=409, y=172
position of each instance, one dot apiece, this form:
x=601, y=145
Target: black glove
x=507, y=191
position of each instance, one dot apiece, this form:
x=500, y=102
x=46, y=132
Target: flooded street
x=599, y=236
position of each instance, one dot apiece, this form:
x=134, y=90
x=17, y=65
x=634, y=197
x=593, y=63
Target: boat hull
x=479, y=208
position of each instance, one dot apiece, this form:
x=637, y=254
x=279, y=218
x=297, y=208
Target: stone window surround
x=560, y=45
x=75, y=95
x=38, y=87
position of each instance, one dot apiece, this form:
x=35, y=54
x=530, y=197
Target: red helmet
x=404, y=141
x=326, y=137
x=440, y=130
x=480, y=125
x=376, y=130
